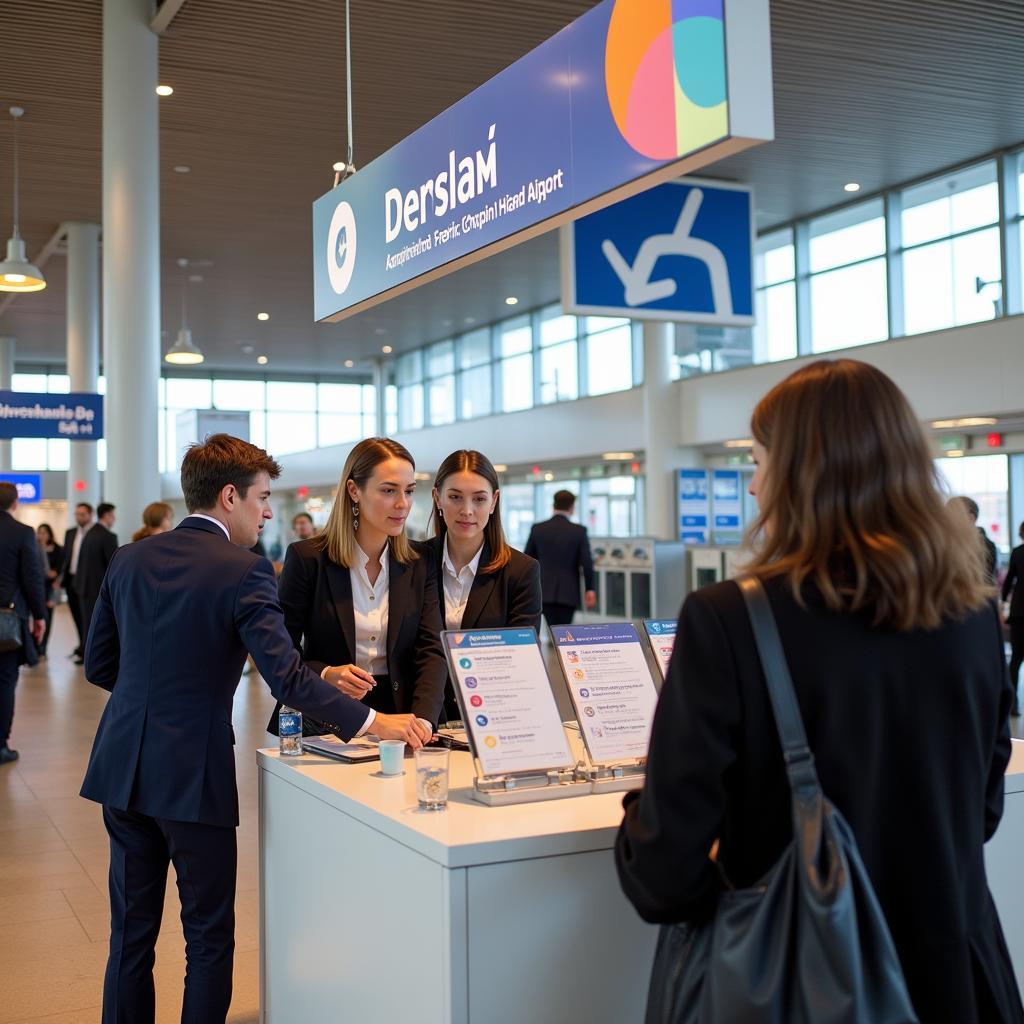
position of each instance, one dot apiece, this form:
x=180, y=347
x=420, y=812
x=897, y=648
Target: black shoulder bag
x=809, y=944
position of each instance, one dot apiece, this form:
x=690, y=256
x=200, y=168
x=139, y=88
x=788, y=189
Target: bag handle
x=795, y=749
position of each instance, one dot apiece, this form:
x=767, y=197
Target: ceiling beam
x=165, y=15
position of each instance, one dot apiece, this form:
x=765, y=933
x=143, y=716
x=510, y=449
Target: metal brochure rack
x=605, y=668
x=520, y=749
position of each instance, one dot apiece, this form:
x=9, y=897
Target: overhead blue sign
x=681, y=251
x=77, y=416
x=632, y=93
x=30, y=486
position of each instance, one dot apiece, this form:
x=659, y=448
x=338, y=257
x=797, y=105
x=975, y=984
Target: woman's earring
x=355, y=516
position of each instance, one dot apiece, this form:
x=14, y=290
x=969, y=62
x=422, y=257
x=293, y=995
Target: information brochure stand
x=661, y=635
x=614, y=696
x=520, y=749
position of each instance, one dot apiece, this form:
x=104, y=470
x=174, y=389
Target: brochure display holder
x=614, y=696
x=661, y=635
x=520, y=749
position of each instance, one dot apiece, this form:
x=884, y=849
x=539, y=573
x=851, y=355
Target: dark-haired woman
x=895, y=648
x=53, y=562
x=485, y=583
x=359, y=602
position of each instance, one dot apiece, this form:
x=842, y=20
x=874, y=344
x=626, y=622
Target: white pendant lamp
x=183, y=352
x=16, y=273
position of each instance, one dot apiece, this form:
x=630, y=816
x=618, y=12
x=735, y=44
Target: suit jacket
x=21, y=579
x=98, y=547
x=991, y=556
x=563, y=549
x=173, y=622
x=910, y=736
x=316, y=595
x=1014, y=583
x=67, y=577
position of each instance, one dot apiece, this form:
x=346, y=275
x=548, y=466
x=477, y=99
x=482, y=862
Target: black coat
x=316, y=595
x=98, y=547
x=1014, y=584
x=910, y=734
x=563, y=549
x=21, y=579
x=173, y=622
x=67, y=578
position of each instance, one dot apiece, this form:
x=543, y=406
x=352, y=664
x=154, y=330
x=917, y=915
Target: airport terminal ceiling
x=872, y=91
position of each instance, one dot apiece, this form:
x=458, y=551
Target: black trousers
x=10, y=663
x=559, y=614
x=75, y=607
x=1016, y=653
x=205, y=861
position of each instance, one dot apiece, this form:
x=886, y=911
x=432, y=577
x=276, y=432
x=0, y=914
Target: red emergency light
x=79, y=485
x=995, y=440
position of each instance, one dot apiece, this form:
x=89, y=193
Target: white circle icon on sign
x=341, y=247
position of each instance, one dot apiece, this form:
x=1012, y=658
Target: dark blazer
x=316, y=595
x=910, y=734
x=67, y=578
x=98, y=547
x=1014, y=583
x=563, y=549
x=991, y=556
x=21, y=579
x=174, y=620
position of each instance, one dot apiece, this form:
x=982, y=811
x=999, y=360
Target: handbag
x=809, y=943
x=10, y=629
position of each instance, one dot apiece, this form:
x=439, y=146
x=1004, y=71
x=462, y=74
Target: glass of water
x=432, y=778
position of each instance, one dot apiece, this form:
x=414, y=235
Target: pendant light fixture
x=16, y=273
x=183, y=352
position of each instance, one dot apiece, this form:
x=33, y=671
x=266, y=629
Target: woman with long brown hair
x=156, y=519
x=894, y=646
x=359, y=603
x=485, y=583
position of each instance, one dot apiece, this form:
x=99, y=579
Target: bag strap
x=795, y=749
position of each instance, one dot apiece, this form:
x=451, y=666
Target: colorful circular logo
x=341, y=247
x=665, y=74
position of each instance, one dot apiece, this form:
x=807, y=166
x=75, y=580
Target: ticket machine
x=637, y=578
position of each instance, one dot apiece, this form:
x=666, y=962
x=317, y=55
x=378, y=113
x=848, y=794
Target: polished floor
x=54, y=919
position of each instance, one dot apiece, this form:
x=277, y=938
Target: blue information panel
x=694, y=505
x=680, y=251
x=77, y=416
x=30, y=486
x=727, y=499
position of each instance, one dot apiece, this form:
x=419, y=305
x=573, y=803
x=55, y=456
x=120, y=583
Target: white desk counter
x=372, y=909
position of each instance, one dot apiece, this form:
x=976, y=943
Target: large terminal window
x=775, y=297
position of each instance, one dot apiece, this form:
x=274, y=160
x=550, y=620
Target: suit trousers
x=10, y=663
x=75, y=607
x=1016, y=654
x=205, y=860
x=559, y=614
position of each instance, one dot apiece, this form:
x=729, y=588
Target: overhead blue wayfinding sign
x=631, y=94
x=680, y=251
x=77, y=416
x=29, y=485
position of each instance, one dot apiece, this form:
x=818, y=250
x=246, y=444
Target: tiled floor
x=54, y=920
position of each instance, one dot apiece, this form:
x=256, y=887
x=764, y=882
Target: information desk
x=372, y=910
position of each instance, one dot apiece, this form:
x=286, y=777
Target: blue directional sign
x=30, y=486
x=680, y=251
x=77, y=416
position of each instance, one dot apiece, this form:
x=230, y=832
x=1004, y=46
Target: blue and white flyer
x=662, y=635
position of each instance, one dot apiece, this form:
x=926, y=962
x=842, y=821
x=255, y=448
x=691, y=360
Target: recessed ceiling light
x=744, y=442
x=182, y=169
x=164, y=90
x=262, y=360
x=349, y=364
x=851, y=186
x=262, y=316
x=618, y=456
x=966, y=421
x=955, y=454
x=500, y=467
x=549, y=476
x=339, y=166
x=386, y=349
x=511, y=301
x=470, y=320
x=380, y=330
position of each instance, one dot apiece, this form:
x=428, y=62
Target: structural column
x=7, y=347
x=131, y=258
x=380, y=380
x=83, y=350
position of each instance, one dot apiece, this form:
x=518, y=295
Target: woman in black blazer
x=360, y=604
x=1014, y=585
x=482, y=582
x=895, y=649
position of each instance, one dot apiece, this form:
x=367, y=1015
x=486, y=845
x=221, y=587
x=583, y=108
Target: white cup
x=392, y=755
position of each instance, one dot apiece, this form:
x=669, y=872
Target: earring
x=355, y=516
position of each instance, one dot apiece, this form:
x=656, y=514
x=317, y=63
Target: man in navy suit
x=175, y=617
x=563, y=550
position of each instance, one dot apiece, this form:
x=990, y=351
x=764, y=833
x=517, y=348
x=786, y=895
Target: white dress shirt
x=76, y=547
x=370, y=605
x=457, y=586
x=209, y=519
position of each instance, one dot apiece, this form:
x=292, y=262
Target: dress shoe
x=7, y=755
x=79, y=660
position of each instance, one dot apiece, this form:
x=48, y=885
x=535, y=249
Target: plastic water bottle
x=289, y=728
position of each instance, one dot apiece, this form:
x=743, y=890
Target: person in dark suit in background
x=970, y=509
x=72, y=553
x=563, y=550
x=175, y=617
x=1014, y=585
x=21, y=585
x=98, y=547
x=359, y=602
x=895, y=650
x=485, y=583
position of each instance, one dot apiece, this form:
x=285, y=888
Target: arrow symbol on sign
x=636, y=279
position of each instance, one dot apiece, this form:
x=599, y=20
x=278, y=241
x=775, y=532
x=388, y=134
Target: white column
x=7, y=347
x=380, y=380
x=83, y=334
x=131, y=258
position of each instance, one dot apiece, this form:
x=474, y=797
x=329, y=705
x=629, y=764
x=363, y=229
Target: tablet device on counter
x=356, y=751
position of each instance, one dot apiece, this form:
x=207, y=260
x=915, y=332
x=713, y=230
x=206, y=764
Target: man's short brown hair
x=8, y=495
x=565, y=501
x=209, y=466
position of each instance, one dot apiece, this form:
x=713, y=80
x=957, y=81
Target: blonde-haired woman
x=156, y=519
x=360, y=604
x=894, y=645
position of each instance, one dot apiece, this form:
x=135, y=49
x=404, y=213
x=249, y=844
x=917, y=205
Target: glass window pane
x=559, y=372
x=475, y=348
x=593, y=324
x=517, y=383
x=59, y=384
x=185, y=393
x=58, y=453
x=391, y=408
x=101, y=455
x=515, y=336
x=927, y=295
x=476, y=392
x=290, y=432
x=442, y=400
x=239, y=394
x=967, y=199
x=848, y=307
x=776, y=258
x=409, y=368
x=556, y=327
x=28, y=453
x=340, y=398
x=101, y=384
x=258, y=428
x=440, y=359
x=369, y=399
x=34, y=382
x=848, y=235
x=976, y=258
x=291, y=396
x=338, y=428
x=610, y=361
x=775, y=330
x=410, y=407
